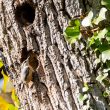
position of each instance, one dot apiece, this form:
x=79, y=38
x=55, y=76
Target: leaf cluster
x=95, y=28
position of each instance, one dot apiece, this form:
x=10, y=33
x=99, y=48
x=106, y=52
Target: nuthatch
x=26, y=71
x=26, y=74
x=29, y=66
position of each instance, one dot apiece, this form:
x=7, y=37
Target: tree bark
x=63, y=69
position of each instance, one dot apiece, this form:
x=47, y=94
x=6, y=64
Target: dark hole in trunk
x=25, y=14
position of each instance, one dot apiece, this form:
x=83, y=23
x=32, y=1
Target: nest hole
x=25, y=14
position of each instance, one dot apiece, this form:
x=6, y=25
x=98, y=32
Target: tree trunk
x=63, y=69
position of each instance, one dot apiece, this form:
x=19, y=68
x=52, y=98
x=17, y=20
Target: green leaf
x=106, y=93
x=72, y=33
x=106, y=55
x=101, y=16
x=83, y=97
x=85, y=84
x=97, y=42
x=106, y=3
x=108, y=64
x=75, y=22
x=87, y=21
x=91, y=41
x=72, y=39
x=106, y=82
x=85, y=89
x=108, y=36
x=106, y=70
x=102, y=34
x=101, y=77
x=96, y=38
x=103, y=47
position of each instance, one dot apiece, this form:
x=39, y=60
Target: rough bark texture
x=63, y=69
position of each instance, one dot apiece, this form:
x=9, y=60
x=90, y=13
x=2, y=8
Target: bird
x=26, y=74
x=26, y=71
